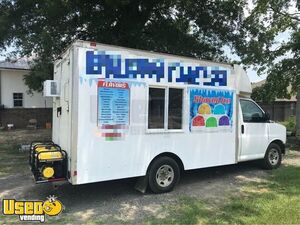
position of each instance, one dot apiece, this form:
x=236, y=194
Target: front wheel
x=273, y=157
x=164, y=174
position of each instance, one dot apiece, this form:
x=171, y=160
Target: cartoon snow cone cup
x=204, y=109
x=198, y=121
x=52, y=206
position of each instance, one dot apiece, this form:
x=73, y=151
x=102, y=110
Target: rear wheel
x=273, y=157
x=164, y=174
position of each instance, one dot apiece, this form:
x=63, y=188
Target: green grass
x=276, y=201
x=273, y=202
x=11, y=160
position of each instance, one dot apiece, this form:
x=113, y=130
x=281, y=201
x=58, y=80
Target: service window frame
x=166, y=110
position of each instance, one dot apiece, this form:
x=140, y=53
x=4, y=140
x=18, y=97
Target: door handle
x=242, y=129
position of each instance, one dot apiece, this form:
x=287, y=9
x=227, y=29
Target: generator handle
x=63, y=152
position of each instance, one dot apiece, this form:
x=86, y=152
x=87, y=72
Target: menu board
x=113, y=103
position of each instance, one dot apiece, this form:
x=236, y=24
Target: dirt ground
x=24, y=136
x=118, y=201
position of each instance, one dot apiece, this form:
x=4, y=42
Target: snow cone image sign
x=210, y=110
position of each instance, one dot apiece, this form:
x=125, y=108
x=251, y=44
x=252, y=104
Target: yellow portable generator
x=48, y=162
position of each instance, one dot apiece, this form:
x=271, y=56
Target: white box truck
x=121, y=112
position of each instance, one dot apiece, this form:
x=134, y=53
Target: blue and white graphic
x=211, y=110
x=113, y=104
x=113, y=66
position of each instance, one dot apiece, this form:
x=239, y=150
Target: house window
x=18, y=99
x=162, y=100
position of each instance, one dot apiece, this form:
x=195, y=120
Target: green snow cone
x=211, y=122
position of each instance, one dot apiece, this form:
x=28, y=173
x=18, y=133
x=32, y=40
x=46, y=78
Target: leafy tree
x=45, y=28
x=198, y=28
x=279, y=60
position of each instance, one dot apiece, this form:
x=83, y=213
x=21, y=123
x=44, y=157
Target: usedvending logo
x=32, y=210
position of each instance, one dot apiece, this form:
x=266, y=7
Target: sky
x=3, y=54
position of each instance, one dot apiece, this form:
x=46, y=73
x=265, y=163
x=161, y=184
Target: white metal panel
x=61, y=132
x=93, y=158
x=277, y=132
x=243, y=84
x=99, y=160
x=56, y=103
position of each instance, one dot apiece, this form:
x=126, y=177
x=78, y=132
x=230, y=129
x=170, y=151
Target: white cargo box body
x=120, y=108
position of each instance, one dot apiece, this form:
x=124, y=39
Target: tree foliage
x=280, y=60
x=198, y=28
x=187, y=27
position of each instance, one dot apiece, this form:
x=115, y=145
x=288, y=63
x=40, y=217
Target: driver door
x=254, y=131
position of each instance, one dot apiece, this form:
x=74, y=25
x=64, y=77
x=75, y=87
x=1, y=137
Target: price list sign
x=113, y=103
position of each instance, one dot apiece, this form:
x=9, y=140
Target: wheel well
x=171, y=155
x=280, y=144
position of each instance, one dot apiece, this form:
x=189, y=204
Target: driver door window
x=251, y=112
x=254, y=131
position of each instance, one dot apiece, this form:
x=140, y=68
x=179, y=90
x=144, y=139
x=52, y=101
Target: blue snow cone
x=219, y=109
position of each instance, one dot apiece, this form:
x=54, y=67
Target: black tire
x=156, y=174
x=273, y=157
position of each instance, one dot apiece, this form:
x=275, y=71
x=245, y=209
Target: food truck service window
x=175, y=108
x=156, y=108
x=163, y=100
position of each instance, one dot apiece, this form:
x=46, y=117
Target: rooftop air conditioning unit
x=51, y=88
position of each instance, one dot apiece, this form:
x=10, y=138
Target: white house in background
x=17, y=106
x=13, y=89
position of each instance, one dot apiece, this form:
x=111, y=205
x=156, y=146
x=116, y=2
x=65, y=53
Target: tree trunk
x=298, y=115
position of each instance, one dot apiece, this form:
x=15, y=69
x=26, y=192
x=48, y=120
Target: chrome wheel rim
x=273, y=156
x=164, y=176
